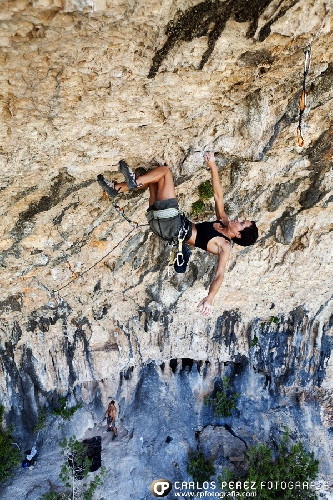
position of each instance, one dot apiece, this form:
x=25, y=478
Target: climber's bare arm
x=217, y=186
x=206, y=304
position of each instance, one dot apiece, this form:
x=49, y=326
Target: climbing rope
x=302, y=102
x=77, y=275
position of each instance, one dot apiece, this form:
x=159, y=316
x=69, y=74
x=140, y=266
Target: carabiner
x=180, y=256
x=307, y=60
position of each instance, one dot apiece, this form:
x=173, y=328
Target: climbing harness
x=302, y=103
x=166, y=213
x=179, y=252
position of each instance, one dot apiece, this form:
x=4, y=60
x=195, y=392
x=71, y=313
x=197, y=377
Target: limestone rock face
x=87, y=308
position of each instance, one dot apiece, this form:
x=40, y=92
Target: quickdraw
x=171, y=259
x=79, y=275
x=180, y=256
x=302, y=103
x=121, y=212
x=176, y=253
x=74, y=273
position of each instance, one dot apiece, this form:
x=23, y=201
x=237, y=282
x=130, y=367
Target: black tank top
x=205, y=232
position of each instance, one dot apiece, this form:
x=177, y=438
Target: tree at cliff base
x=283, y=475
x=74, y=473
x=10, y=455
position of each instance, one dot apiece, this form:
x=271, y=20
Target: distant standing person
x=110, y=416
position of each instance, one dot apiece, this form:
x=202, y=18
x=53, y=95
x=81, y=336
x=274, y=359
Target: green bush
x=63, y=411
x=224, y=401
x=41, y=421
x=199, y=468
x=254, y=342
x=206, y=191
x=272, y=319
x=198, y=207
x=290, y=463
x=10, y=455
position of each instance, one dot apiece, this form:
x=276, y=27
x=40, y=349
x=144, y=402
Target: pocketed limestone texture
x=87, y=309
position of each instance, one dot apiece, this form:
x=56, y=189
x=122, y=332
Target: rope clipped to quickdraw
x=79, y=275
x=121, y=212
x=76, y=275
x=302, y=102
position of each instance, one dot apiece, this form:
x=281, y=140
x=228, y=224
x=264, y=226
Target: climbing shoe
x=108, y=186
x=129, y=175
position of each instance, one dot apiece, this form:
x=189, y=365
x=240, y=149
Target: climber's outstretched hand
x=205, y=307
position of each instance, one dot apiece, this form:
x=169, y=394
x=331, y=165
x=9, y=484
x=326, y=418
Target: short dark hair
x=249, y=236
x=112, y=402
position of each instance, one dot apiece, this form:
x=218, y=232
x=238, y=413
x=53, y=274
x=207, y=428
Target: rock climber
x=166, y=221
x=110, y=416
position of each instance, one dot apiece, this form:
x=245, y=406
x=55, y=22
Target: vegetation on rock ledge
x=63, y=411
x=10, y=454
x=74, y=470
x=224, y=401
x=199, y=467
